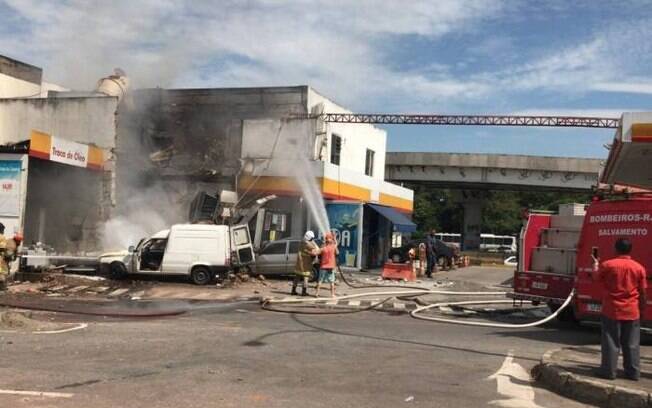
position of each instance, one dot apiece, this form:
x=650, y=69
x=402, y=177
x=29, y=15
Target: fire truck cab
x=555, y=251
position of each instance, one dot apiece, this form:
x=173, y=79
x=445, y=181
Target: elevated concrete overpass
x=492, y=171
x=474, y=174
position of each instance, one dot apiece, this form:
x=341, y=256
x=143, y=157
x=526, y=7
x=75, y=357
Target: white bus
x=448, y=238
x=488, y=242
x=497, y=243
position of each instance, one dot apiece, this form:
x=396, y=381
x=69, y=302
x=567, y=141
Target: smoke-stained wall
x=173, y=143
x=89, y=120
x=65, y=206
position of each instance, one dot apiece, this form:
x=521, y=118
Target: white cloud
x=335, y=45
x=608, y=61
x=595, y=113
x=624, y=87
x=340, y=47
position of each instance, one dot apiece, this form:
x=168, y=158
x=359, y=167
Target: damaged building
x=55, y=186
x=175, y=143
x=86, y=167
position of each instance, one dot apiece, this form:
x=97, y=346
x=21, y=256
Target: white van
x=199, y=250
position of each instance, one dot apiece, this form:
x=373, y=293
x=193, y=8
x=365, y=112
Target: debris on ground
x=25, y=321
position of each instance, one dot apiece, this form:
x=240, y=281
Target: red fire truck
x=555, y=251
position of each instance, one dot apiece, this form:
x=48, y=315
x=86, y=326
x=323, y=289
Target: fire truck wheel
x=200, y=275
x=118, y=270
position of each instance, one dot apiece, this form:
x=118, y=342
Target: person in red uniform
x=624, y=282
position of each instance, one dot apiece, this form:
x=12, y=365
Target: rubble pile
x=245, y=281
x=25, y=321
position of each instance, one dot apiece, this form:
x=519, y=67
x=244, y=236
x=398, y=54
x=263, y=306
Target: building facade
x=56, y=188
x=172, y=144
x=347, y=163
x=75, y=162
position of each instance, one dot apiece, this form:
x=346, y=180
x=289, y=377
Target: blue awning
x=400, y=221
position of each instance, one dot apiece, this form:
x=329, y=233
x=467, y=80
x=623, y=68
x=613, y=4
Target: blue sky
x=588, y=58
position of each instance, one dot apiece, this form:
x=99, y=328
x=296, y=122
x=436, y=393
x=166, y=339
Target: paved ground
x=240, y=356
x=570, y=371
x=83, y=287
x=65, y=292
x=235, y=354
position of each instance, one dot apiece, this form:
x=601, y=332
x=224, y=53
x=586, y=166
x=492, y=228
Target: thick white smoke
x=311, y=193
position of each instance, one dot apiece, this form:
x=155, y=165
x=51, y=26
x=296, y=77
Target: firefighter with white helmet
x=308, y=250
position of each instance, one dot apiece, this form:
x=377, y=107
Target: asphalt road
x=237, y=355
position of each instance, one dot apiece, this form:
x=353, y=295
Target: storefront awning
x=400, y=221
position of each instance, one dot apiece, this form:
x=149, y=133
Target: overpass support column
x=473, y=203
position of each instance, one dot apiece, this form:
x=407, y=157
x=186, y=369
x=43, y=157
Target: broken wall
x=173, y=143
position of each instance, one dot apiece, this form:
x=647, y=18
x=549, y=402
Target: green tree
x=437, y=208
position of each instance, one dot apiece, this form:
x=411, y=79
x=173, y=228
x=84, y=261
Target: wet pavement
x=111, y=308
x=241, y=356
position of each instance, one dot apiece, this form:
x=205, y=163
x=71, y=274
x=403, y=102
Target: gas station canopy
x=630, y=157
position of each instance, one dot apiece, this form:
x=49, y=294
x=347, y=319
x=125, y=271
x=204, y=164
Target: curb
x=587, y=390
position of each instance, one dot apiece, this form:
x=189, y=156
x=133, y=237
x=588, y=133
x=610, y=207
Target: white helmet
x=309, y=236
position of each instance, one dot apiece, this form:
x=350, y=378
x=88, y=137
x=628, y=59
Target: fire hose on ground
x=412, y=292
x=415, y=314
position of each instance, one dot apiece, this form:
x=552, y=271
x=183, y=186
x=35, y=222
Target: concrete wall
x=65, y=205
x=47, y=87
x=11, y=87
x=19, y=80
x=84, y=120
x=356, y=138
x=287, y=139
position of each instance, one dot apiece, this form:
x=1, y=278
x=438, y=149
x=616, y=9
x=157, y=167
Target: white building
x=348, y=163
x=55, y=187
x=179, y=142
x=21, y=80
